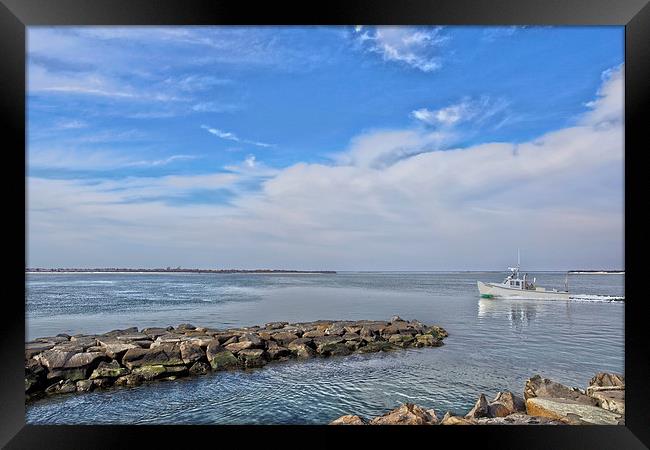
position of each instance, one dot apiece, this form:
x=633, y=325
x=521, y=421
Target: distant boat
x=514, y=286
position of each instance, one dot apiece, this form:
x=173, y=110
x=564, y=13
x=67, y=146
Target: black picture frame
x=16, y=15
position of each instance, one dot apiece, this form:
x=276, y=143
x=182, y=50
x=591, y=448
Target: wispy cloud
x=233, y=137
x=468, y=109
x=417, y=48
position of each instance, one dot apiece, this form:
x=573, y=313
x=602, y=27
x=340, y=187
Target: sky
x=325, y=148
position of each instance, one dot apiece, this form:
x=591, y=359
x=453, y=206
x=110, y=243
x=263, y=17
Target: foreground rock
x=545, y=402
x=128, y=357
x=407, y=414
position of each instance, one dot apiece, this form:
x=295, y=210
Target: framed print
x=273, y=219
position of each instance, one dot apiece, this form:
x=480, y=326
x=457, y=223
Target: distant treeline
x=177, y=269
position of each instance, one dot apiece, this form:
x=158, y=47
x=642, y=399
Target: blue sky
x=350, y=148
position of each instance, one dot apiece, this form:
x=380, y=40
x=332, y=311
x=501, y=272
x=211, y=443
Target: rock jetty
x=544, y=402
x=82, y=363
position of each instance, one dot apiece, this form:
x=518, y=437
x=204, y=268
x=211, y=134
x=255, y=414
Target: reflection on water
x=519, y=312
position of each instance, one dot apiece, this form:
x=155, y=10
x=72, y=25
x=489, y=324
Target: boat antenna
x=517, y=257
x=566, y=282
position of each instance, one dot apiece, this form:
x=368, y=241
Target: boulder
x=377, y=346
x=506, y=403
x=62, y=387
x=436, y=331
x=239, y=346
x=164, y=354
x=34, y=348
x=35, y=376
x=349, y=420
x=185, y=326
x=191, y=352
x=572, y=411
x=275, y=325
x=199, y=368
x=352, y=337
x=518, y=419
x=429, y=340
x=611, y=400
x=102, y=382
x=153, y=333
x=313, y=334
x=253, y=357
x=276, y=351
x=352, y=329
x=109, y=370
x=133, y=337
x=220, y=358
x=407, y=414
x=85, y=385
x=396, y=319
x=149, y=372
x=603, y=379
x=264, y=335
x=301, y=347
x=480, y=409
x=114, y=348
x=544, y=388
x=132, y=379
x=450, y=419
x=69, y=365
x=284, y=338
x=401, y=340
x=325, y=343
x=232, y=340
x=253, y=339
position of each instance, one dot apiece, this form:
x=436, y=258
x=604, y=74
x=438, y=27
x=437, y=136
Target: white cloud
x=232, y=137
x=391, y=201
x=409, y=45
x=477, y=110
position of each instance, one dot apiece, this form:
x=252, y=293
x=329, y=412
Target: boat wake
x=596, y=298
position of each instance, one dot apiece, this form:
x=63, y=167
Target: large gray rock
x=220, y=358
x=109, y=370
x=407, y=414
x=506, y=403
x=325, y=344
x=191, y=352
x=164, y=354
x=68, y=365
x=254, y=339
x=253, y=357
x=611, y=399
x=302, y=347
x=518, y=419
x=538, y=387
x=604, y=379
x=239, y=346
x=571, y=411
x=35, y=376
x=283, y=338
x=480, y=409
x=34, y=348
x=349, y=420
x=115, y=348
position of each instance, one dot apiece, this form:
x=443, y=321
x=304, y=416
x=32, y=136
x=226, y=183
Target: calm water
x=493, y=345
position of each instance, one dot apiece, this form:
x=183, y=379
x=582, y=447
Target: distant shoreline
x=597, y=272
x=136, y=271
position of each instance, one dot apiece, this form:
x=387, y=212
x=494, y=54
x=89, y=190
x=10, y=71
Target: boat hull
x=491, y=290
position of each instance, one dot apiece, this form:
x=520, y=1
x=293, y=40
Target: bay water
x=493, y=344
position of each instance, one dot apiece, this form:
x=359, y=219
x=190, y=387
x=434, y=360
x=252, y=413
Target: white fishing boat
x=520, y=287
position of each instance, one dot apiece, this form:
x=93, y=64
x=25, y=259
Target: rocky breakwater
x=544, y=402
x=82, y=363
